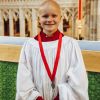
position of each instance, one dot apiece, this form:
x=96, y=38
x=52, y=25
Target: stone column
x=98, y=21
x=22, y=22
x=1, y=25
x=95, y=21
x=91, y=20
x=34, y=23
x=11, y=25
x=60, y=27
x=73, y=25
x=30, y=26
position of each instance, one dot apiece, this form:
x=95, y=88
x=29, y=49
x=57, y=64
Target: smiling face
x=49, y=17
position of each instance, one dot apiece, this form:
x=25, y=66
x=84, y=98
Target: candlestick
x=79, y=9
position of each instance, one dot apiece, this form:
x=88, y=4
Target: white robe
x=70, y=81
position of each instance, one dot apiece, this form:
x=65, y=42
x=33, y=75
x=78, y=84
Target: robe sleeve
x=75, y=86
x=26, y=89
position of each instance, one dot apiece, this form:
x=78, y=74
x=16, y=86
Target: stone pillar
x=11, y=25
x=22, y=22
x=73, y=25
x=34, y=23
x=98, y=21
x=79, y=29
x=60, y=27
x=30, y=26
x=95, y=21
x=91, y=20
x=1, y=25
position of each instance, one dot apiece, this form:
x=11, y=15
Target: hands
x=57, y=97
x=39, y=98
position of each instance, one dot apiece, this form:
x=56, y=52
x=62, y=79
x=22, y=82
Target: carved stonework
x=20, y=16
x=23, y=14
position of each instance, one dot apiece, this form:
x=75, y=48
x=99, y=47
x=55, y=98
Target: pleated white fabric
x=32, y=79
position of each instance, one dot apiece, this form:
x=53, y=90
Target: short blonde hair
x=50, y=2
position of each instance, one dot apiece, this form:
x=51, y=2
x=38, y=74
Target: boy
x=51, y=65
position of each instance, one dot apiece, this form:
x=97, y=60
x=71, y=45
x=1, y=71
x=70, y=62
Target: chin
x=51, y=29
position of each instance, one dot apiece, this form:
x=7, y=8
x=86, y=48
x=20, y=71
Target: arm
x=26, y=89
x=76, y=85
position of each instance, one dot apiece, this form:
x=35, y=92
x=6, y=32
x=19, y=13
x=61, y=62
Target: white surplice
x=70, y=81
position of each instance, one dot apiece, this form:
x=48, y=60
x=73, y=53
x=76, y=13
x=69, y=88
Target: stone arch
x=28, y=22
x=5, y=14
x=15, y=15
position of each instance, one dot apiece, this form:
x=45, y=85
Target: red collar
x=44, y=37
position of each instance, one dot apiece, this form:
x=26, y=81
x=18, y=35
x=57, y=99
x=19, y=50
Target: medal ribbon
x=51, y=75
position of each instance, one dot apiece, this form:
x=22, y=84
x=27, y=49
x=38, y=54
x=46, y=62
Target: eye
x=54, y=15
x=45, y=16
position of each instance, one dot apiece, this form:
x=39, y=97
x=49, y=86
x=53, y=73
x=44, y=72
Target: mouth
x=49, y=24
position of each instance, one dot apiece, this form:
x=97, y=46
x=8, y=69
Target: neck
x=49, y=33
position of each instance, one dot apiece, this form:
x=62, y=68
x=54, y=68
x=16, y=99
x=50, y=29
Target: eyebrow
x=46, y=15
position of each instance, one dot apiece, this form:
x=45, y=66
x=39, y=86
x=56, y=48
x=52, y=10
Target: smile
x=49, y=24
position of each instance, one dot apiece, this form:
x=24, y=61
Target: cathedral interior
x=19, y=18
x=19, y=21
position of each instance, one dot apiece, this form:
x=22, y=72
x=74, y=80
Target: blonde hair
x=50, y=2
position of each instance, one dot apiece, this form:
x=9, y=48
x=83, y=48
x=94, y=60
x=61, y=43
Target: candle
x=79, y=9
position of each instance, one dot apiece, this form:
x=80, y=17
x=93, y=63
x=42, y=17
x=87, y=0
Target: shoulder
x=69, y=40
x=70, y=44
x=31, y=42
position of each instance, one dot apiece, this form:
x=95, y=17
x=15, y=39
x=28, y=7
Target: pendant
x=53, y=85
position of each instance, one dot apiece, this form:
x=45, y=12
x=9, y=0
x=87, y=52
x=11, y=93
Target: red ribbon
x=51, y=75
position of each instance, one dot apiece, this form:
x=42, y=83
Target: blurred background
x=19, y=18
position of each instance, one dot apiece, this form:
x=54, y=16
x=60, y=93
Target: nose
x=50, y=19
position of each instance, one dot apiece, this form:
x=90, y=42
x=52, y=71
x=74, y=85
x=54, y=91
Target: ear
x=60, y=17
x=38, y=18
x=39, y=24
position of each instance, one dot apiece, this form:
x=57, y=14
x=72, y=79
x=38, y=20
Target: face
x=49, y=18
